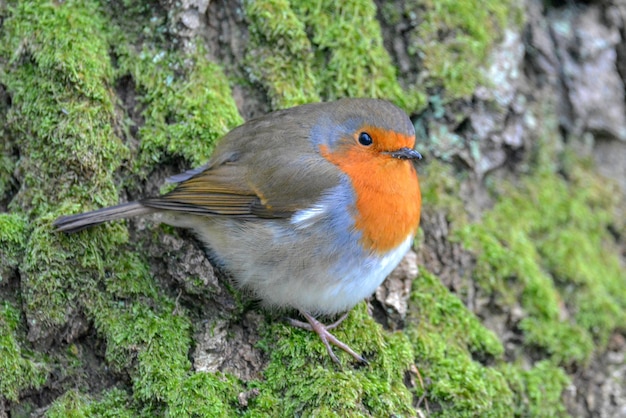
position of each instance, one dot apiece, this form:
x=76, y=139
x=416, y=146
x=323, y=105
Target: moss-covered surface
x=558, y=258
x=303, y=50
x=187, y=100
x=280, y=55
x=511, y=267
x=548, y=244
x=59, y=74
x=544, y=243
x=20, y=368
x=13, y=235
x=302, y=380
x=8, y=156
x=453, y=62
x=446, y=336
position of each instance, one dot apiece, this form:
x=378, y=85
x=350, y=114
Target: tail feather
x=75, y=223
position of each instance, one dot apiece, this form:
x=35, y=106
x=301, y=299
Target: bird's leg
x=337, y=322
x=307, y=326
x=327, y=338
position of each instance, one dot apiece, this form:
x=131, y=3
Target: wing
x=259, y=170
x=214, y=191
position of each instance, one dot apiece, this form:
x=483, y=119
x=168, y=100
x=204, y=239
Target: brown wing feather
x=214, y=191
x=265, y=168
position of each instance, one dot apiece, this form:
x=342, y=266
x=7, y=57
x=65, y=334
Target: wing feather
x=259, y=170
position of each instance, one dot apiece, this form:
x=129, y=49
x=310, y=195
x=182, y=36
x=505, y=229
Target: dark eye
x=365, y=139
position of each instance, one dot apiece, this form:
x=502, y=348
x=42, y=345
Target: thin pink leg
x=326, y=337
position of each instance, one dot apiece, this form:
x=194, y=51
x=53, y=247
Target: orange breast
x=387, y=192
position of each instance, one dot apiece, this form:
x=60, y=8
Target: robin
x=309, y=207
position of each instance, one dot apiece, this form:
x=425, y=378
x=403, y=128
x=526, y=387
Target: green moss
x=132, y=278
x=555, y=255
x=279, y=54
x=302, y=50
x=13, y=236
x=20, y=368
x=113, y=403
x=440, y=187
x=63, y=111
x=537, y=390
x=453, y=39
x=70, y=404
x=187, y=100
x=349, y=56
x=8, y=158
x=447, y=337
x=302, y=380
x=158, y=336
x=546, y=244
x=62, y=118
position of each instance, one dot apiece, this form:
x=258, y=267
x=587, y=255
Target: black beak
x=406, y=154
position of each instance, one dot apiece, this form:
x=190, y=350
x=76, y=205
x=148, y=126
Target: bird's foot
x=326, y=337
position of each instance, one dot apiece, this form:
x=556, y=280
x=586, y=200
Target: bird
x=309, y=207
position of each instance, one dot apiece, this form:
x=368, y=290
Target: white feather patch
x=307, y=217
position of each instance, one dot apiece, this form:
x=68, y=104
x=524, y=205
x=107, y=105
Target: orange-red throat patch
x=388, y=198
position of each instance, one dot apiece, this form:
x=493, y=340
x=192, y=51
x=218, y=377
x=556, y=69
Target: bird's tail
x=74, y=223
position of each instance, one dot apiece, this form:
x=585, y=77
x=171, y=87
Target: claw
x=327, y=338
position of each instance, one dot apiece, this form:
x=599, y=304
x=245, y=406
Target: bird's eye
x=365, y=139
